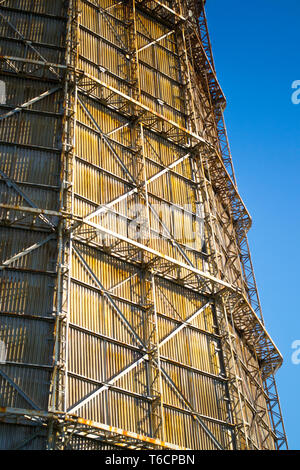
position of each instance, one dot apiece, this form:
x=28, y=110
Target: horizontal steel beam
x=92, y=429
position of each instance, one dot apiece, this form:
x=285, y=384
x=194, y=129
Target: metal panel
x=129, y=307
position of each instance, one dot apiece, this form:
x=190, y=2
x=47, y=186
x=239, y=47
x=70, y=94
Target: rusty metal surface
x=30, y=164
x=122, y=340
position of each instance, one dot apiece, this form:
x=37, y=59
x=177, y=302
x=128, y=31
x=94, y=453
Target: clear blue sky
x=256, y=51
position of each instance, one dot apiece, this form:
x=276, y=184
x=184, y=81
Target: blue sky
x=256, y=51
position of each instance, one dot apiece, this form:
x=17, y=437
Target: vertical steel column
x=59, y=383
x=147, y=278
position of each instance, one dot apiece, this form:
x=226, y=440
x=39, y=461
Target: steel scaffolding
x=129, y=306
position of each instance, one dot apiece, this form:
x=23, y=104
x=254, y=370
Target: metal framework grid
x=121, y=331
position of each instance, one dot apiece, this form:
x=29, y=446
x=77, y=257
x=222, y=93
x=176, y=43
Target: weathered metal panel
x=85, y=317
x=21, y=437
x=30, y=164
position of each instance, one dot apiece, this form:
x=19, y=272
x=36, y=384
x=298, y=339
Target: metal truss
x=228, y=285
x=69, y=426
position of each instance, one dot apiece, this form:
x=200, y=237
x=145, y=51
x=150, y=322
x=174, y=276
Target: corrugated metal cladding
x=30, y=167
x=109, y=293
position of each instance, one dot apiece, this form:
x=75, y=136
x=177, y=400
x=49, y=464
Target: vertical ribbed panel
x=30, y=165
x=108, y=287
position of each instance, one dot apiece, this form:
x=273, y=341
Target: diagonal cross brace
x=155, y=41
x=172, y=240
x=26, y=251
x=104, y=14
x=104, y=208
x=132, y=366
x=28, y=43
x=19, y=390
x=104, y=137
x=189, y=406
x=29, y=103
x=108, y=297
x=11, y=183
